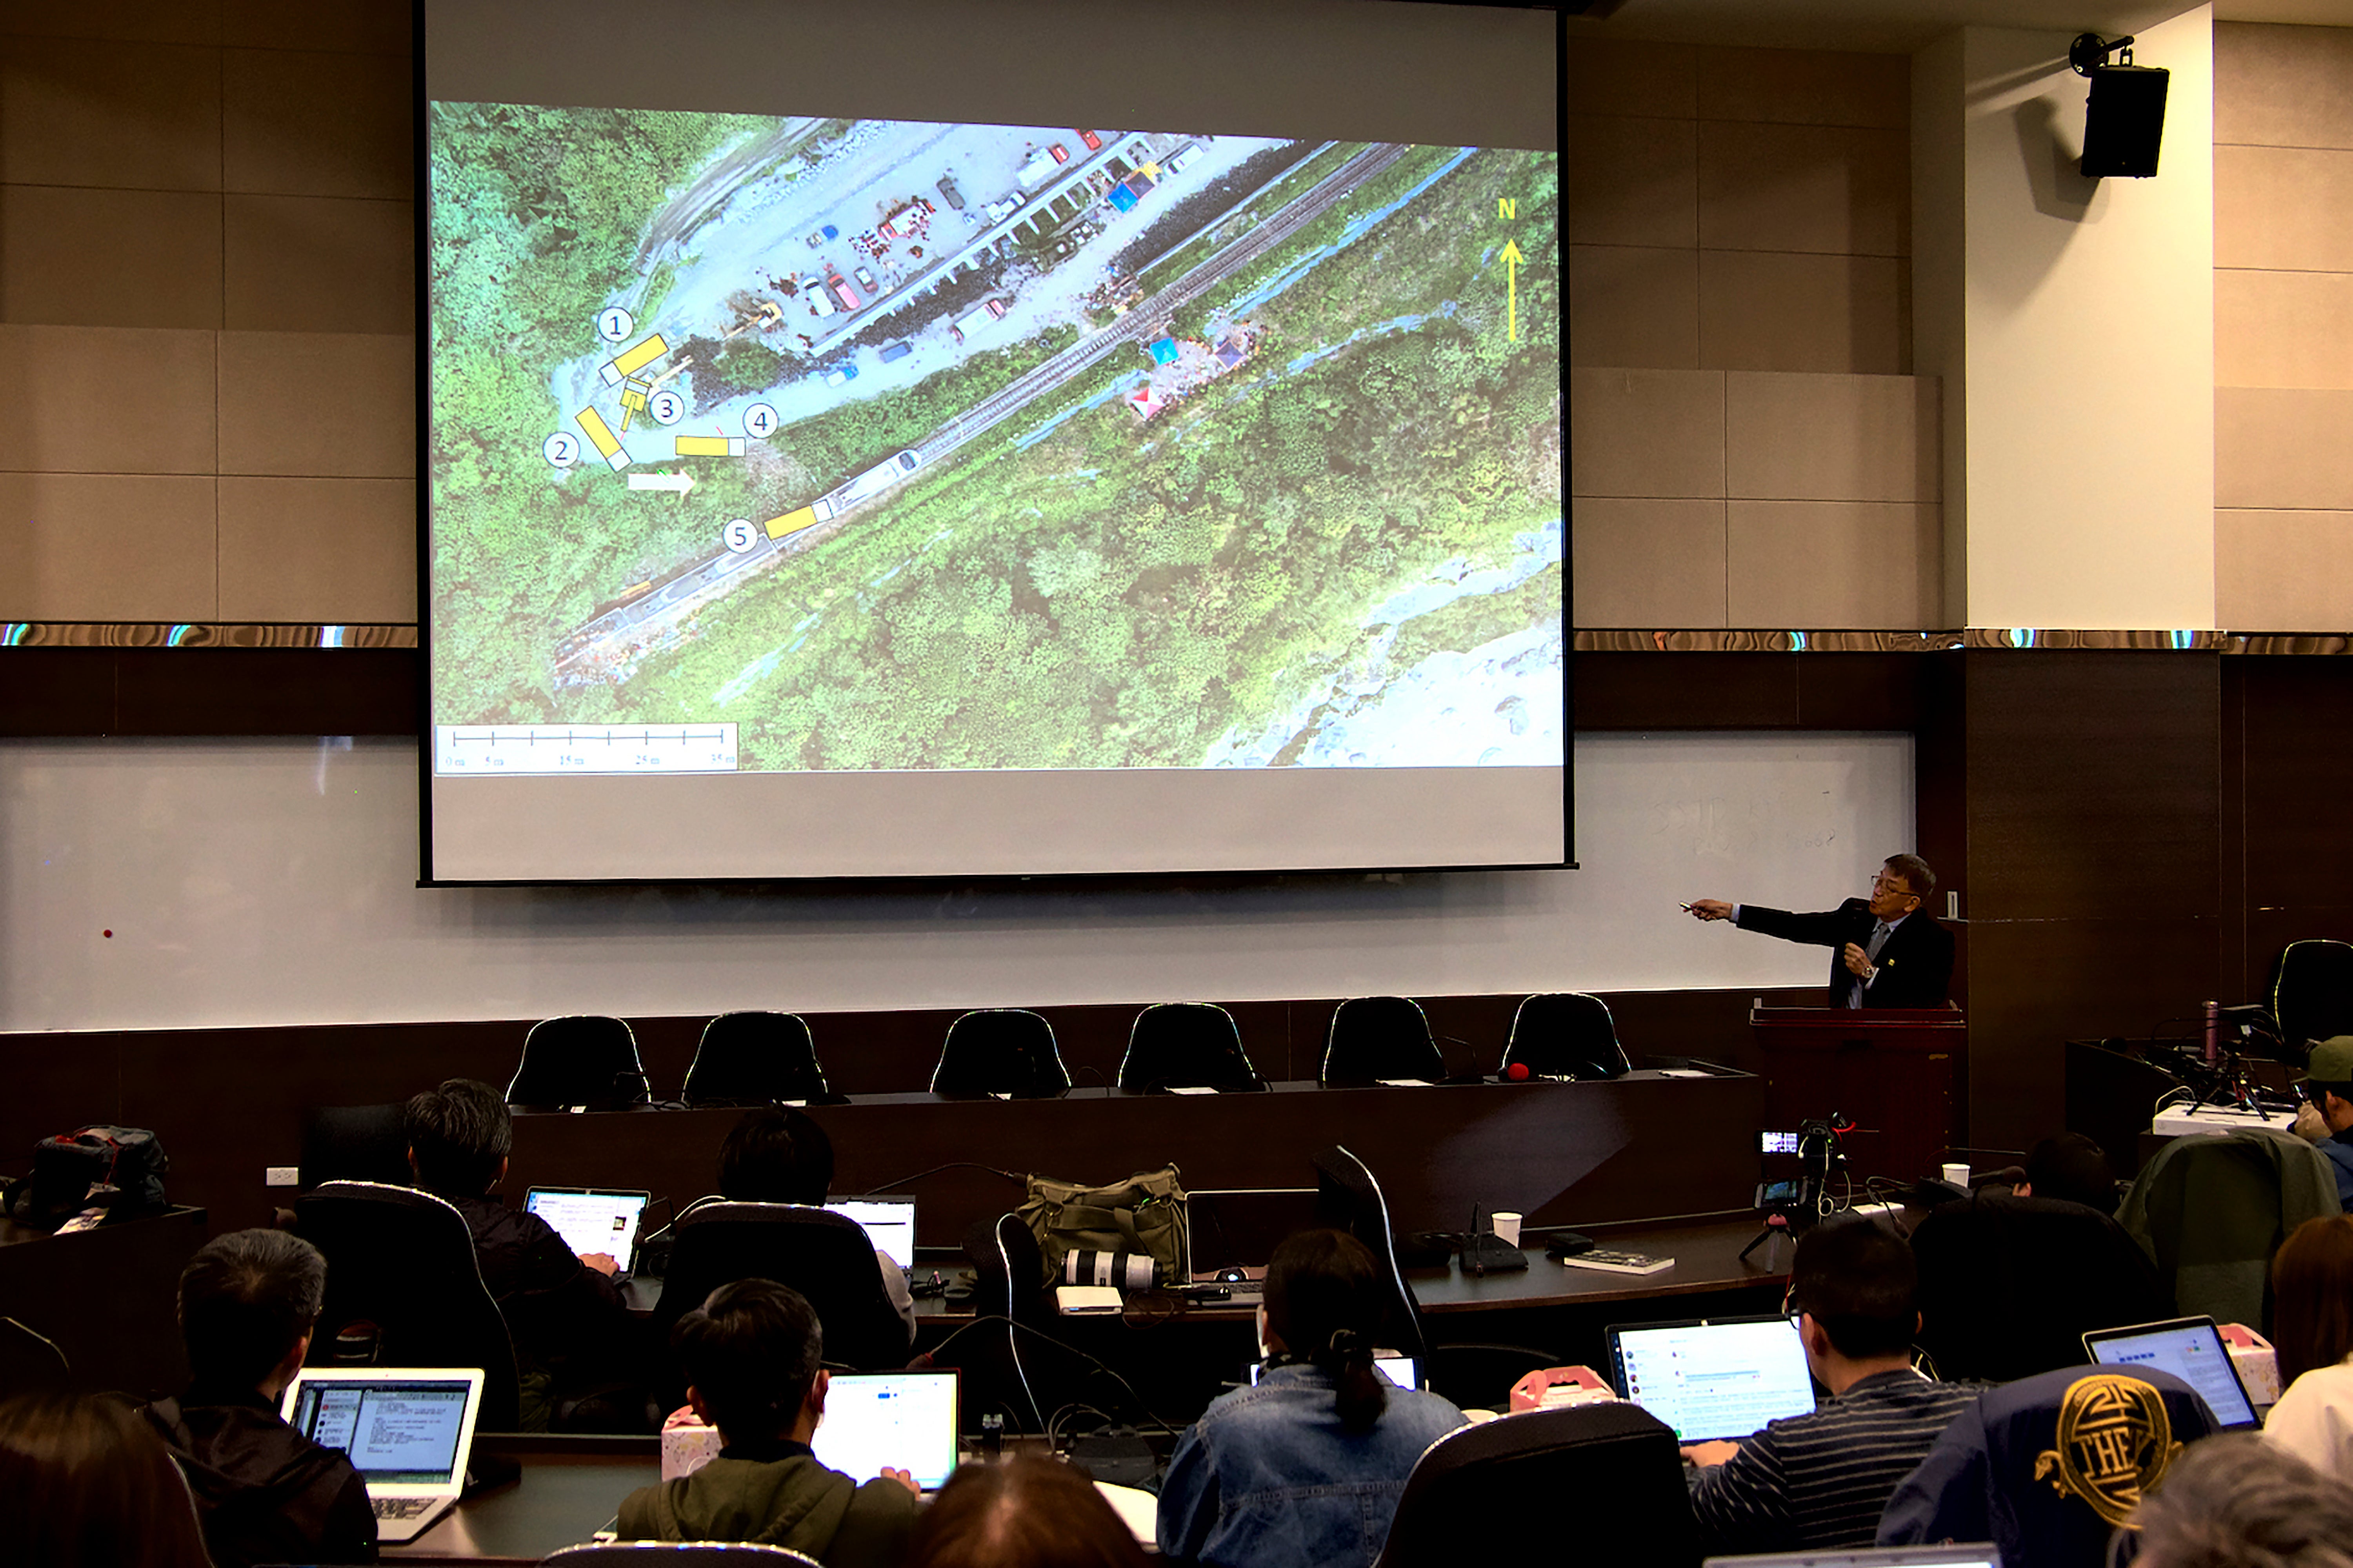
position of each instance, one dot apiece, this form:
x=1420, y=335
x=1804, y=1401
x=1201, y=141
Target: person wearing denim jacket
x=1306, y=1467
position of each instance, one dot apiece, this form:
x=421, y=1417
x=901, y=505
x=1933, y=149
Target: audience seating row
x=751, y=1058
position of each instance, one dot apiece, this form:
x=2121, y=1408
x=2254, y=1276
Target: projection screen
x=933, y=439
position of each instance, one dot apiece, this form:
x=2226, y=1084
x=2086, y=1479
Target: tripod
x=1776, y=1226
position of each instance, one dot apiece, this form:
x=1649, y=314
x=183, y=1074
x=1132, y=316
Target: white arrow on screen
x=680, y=483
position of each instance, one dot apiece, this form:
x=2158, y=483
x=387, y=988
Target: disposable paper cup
x=1958, y=1174
x=1507, y=1225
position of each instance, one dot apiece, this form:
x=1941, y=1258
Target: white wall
x=260, y=882
x=2084, y=371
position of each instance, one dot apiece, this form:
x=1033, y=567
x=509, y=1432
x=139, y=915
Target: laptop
x=889, y=1222
x=2191, y=1349
x=1402, y=1371
x=1239, y=1228
x=1713, y=1378
x=905, y=1420
x=591, y=1219
x=407, y=1430
x=1983, y=1554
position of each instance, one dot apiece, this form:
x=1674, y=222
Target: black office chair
x=1349, y=1198
x=29, y=1362
x=1000, y=1050
x=826, y=1258
x=2009, y=1286
x=2312, y=992
x=678, y=1554
x=1567, y=1033
x=1608, y=1477
x=1008, y=1282
x=581, y=1059
x=756, y=1058
x=403, y=1289
x=355, y=1143
x=1187, y=1045
x=1376, y=1038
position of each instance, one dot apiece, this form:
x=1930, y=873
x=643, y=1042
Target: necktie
x=1879, y=931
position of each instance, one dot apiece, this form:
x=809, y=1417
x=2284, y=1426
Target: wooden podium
x=1894, y=1072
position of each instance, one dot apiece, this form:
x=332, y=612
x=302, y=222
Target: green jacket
x=790, y=1500
x=2212, y=1208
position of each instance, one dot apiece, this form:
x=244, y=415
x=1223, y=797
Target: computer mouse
x=1233, y=1276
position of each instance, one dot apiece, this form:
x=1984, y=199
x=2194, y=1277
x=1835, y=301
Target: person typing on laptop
x=778, y=1155
x=264, y=1492
x=750, y=1353
x=1819, y=1482
x=563, y=1310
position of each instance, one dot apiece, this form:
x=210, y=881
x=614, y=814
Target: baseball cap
x=2332, y=1061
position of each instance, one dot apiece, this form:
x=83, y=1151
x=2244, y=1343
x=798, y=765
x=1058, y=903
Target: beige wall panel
x=1648, y=563
x=1632, y=182
x=110, y=258
x=1832, y=563
x=318, y=403
x=316, y=124
x=2283, y=329
x=2283, y=207
x=362, y=27
x=1765, y=311
x=114, y=21
x=2283, y=571
x=1614, y=76
x=1656, y=433
x=1806, y=87
x=2276, y=446
x=109, y=400
x=142, y=116
x=2283, y=87
x=319, y=264
x=106, y=547
x=1803, y=187
x=1830, y=438
x=318, y=550
x=1633, y=306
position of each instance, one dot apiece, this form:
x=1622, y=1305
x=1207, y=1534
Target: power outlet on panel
x=281, y=1176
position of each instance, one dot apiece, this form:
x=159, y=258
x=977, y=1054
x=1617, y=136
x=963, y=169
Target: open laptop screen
x=890, y=1224
x=1712, y=1379
x=397, y=1431
x=905, y=1420
x=2191, y=1350
x=591, y=1220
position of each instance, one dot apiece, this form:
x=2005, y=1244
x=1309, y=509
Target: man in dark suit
x=1890, y=951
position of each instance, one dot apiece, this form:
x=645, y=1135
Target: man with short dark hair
x=265, y=1493
x=751, y=1355
x=2327, y=1086
x=1818, y=1482
x=2071, y=1168
x=562, y=1310
x=1890, y=951
x=777, y=1154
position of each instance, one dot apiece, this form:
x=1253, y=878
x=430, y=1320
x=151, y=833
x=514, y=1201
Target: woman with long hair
x=1307, y=1466
x=86, y=1483
x=2312, y=1329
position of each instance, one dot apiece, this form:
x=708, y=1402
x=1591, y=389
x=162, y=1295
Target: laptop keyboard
x=402, y=1507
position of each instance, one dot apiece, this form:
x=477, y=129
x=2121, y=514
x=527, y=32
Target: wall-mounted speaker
x=2124, y=122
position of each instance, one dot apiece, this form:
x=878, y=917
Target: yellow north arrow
x=1512, y=260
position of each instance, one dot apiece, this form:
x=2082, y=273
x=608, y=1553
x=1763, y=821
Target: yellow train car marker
x=792, y=522
x=631, y=361
x=709, y=446
x=633, y=400
x=600, y=435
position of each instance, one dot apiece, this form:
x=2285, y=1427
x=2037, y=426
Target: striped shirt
x=1819, y=1482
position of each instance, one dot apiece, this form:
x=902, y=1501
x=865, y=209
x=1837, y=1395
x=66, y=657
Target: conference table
x=571, y=1487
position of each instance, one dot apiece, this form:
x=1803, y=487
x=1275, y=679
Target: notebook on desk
x=408, y=1431
x=902, y=1420
x=889, y=1222
x=592, y=1220
x=1713, y=1378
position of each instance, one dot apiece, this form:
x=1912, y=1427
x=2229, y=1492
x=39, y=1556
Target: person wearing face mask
x=1307, y=1466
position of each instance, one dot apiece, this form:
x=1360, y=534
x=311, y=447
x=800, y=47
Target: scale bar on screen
x=493, y=749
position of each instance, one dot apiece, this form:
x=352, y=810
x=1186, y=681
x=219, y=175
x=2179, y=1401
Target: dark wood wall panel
x=2289, y=725
x=114, y=691
x=1618, y=690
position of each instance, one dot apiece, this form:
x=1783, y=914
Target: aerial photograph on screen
x=888, y=445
